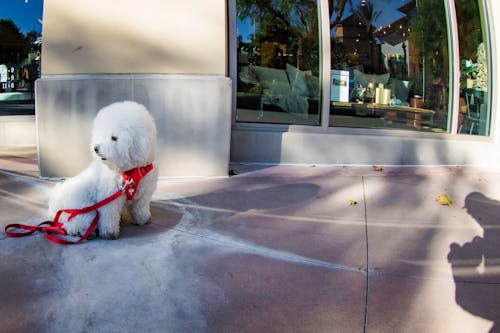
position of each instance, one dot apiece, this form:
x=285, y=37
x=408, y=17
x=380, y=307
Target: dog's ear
x=141, y=149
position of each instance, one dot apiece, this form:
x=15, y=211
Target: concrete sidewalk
x=271, y=249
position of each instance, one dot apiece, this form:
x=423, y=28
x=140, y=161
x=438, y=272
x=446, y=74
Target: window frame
x=325, y=59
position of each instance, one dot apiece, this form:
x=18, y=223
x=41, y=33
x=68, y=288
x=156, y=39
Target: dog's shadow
x=167, y=214
x=475, y=264
x=162, y=219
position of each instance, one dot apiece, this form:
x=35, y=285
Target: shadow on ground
x=476, y=264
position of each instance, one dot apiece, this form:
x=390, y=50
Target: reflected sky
x=388, y=8
x=26, y=14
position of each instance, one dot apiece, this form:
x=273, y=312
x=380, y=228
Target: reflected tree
x=430, y=39
x=293, y=23
x=337, y=8
x=430, y=36
x=12, y=43
x=469, y=27
x=21, y=54
x=367, y=15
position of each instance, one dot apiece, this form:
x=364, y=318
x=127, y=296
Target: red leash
x=131, y=179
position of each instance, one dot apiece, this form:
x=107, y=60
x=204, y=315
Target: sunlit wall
x=126, y=36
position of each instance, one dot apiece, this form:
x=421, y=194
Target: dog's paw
x=108, y=235
x=141, y=221
x=140, y=217
x=93, y=235
x=74, y=229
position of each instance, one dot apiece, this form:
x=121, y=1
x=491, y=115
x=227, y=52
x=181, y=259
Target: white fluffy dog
x=123, y=138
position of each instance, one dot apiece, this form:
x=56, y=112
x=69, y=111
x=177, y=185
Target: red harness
x=131, y=180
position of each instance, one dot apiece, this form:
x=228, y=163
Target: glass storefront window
x=474, y=115
x=278, y=62
x=390, y=65
x=20, y=52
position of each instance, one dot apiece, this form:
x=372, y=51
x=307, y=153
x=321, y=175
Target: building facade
x=401, y=82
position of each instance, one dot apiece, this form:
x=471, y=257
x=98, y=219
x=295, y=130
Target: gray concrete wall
x=192, y=114
x=251, y=145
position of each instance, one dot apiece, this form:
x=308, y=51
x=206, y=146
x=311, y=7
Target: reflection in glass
x=278, y=62
x=20, y=51
x=394, y=56
x=474, y=115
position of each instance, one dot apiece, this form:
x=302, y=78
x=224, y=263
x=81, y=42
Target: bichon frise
x=123, y=143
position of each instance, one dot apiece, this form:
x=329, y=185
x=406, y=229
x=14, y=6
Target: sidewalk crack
x=367, y=272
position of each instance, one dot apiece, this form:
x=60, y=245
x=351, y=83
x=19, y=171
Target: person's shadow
x=476, y=264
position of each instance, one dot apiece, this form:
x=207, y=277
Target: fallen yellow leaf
x=444, y=200
x=352, y=202
x=377, y=168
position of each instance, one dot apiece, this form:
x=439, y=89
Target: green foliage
x=429, y=30
x=290, y=22
x=12, y=43
x=469, y=27
x=14, y=46
x=367, y=15
x=337, y=8
x=430, y=37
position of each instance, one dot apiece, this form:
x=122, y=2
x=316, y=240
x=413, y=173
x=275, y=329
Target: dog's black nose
x=96, y=149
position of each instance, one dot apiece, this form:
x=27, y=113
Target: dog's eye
x=114, y=138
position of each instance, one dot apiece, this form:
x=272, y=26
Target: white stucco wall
x=128, y=36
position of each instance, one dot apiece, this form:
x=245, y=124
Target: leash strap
x=51, y=235
x=131, y=181
x=53, y=228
